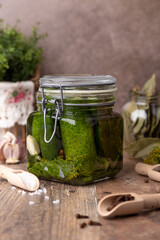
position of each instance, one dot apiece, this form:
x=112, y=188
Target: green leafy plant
x=19, y=55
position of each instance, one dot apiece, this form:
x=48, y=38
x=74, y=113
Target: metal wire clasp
x=58, y=111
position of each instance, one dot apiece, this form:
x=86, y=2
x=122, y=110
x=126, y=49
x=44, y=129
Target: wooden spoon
x=19, y=178
x=152, y=171
x=140, y=202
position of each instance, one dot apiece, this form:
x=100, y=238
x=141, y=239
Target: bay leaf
x=142, y=147
x=149, y=87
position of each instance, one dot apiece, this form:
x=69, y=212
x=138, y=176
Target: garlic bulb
x=9, y=148
x=11, y=152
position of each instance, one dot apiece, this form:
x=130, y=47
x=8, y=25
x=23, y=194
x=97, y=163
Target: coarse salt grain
x=23, y=192
x=36, y=193
x=19, y=191
x=44, y=190
x=56, y=201
x=40, y=190
x=13, y=187
x=46, y=168
x=31, y=203
x=46, y=197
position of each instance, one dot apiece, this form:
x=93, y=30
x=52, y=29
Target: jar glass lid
x=77, y=80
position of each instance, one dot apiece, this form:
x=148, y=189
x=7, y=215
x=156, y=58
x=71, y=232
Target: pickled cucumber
x=48, y=150
x=35, y=128
x=78, y=141
x=109, y=138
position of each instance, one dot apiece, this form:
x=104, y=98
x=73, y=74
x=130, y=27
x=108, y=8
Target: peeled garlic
x=11, y=153
x=32, y=145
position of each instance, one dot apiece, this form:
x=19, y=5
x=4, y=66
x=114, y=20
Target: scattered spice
x=146, y=180
x=78, y=216
x=82, y=225
x=119, y=199
x=72, y=191
x=61, y=153
x=93, y=223
x=107, y=192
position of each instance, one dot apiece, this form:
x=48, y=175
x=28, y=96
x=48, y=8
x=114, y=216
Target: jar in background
x=141, y=117
x=75, y=136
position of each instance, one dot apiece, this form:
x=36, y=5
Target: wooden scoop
x=19, y=178
x=140, y=202
x=152, y=171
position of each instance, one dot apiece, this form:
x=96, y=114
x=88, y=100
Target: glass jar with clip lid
x=75, y=137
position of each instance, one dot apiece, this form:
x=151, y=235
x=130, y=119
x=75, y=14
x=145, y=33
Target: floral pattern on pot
x=16, y=100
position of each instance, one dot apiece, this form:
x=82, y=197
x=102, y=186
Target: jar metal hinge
x=58, y=111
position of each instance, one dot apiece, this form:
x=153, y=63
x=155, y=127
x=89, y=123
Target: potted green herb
x=20, y=57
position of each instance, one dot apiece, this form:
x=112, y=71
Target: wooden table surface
x=44, y=220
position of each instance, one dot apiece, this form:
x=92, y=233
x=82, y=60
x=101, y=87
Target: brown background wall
x=117, y=37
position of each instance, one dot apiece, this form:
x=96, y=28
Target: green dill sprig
x=154, y=156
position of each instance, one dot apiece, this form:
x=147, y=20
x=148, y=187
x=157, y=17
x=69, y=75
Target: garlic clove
x=12, y=161
x=16, y=151
x=32, y=145
x=7, y=151
x=11, y=151
x=10, y=137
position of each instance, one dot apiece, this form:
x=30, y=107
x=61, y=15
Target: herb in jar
x=142, y=119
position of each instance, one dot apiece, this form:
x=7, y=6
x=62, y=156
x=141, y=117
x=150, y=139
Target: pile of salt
x=28, y=180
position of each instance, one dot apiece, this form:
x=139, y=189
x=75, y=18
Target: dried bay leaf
x=149, y=87
x=141, y=147
x=126, y=113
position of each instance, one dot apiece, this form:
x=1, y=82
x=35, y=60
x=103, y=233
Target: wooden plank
x=15, y=130
x=45, y=220
x=23, y=134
